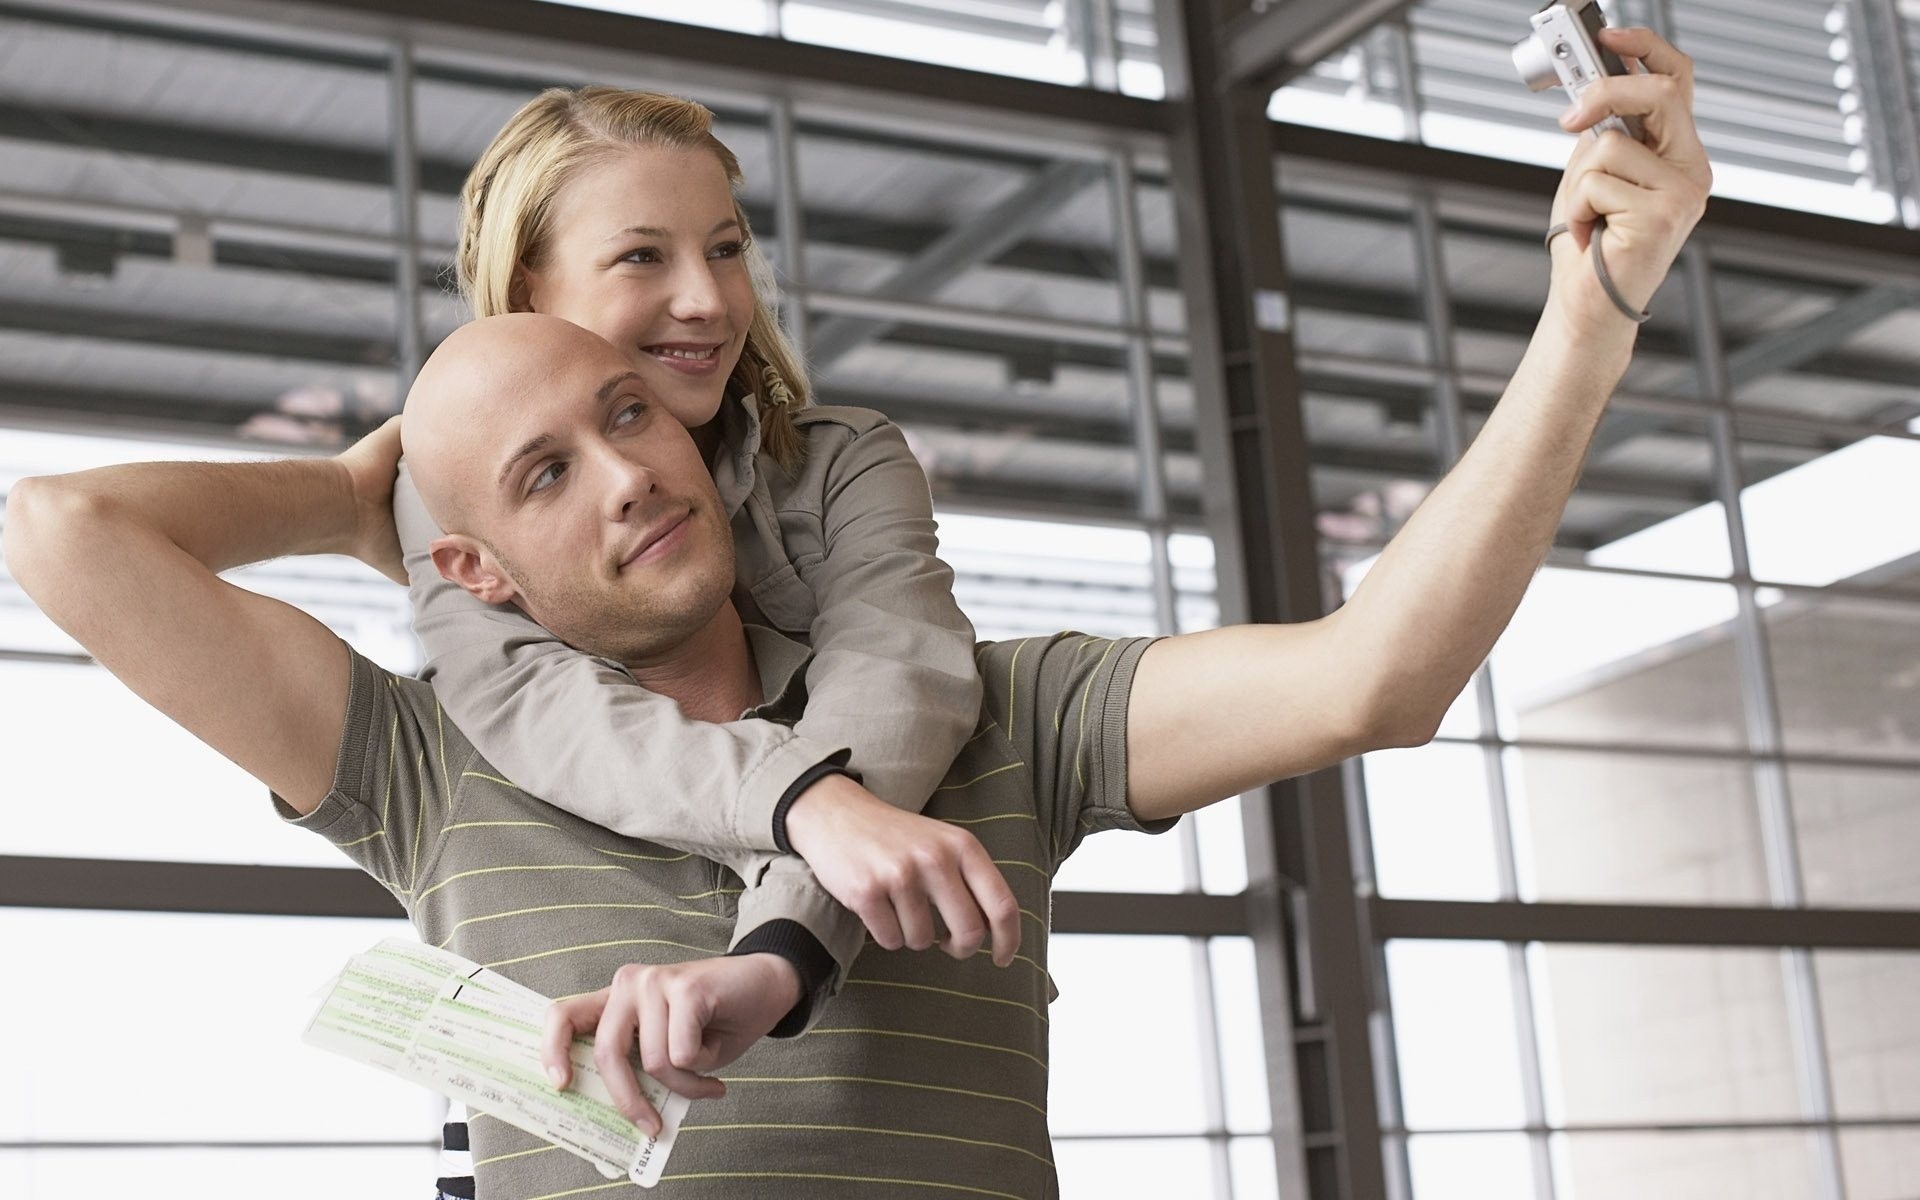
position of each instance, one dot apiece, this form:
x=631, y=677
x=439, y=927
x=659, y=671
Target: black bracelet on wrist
x=837, y=765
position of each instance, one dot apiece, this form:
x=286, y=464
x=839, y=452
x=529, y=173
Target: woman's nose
x=696, y=294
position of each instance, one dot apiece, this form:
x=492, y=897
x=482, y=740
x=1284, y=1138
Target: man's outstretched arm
x=126, y=560
x=1214, y=714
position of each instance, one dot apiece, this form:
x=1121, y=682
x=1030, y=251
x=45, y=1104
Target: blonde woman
x=616, y=210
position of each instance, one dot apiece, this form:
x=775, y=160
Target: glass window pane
x=1645, y=500
x=1658, y=1034
x=121, y=315
x=1616, y=658
x=1872, y=1028
x=1243, y=1058
x=1255, y=1173
x=1027, y=41
x=1019, y=578
x=924, y=222
x=1643, y=828
x=1496, y=1166
x=1136, y=1169
x=1636, y=1166
x=1820, y=508
x=1223, y=847
x=1354, y=280
x=743, y=16
x=1880, y=1164
x=211, y=996
x=94, y=1174
x=999, y=421
x=1431, y=822
x=1356, y=89
x=1856, y=828
x=1455, y=1034
x=1100, y=1083
x=1844, y=672
x=1195, y=581
x=1805, y=339
x=160, y=794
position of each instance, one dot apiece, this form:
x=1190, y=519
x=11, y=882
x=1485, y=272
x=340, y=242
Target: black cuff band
x=794, y=942
x=837, y=765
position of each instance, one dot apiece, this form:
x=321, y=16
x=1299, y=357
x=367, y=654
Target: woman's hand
x=371, y=464
x=1651, y=194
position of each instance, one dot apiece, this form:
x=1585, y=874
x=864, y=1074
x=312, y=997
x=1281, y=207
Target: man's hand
x=886, y=865
x=1652, y=194
x=371, y=464
x=685, y=1019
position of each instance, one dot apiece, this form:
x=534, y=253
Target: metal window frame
x=1316, y=948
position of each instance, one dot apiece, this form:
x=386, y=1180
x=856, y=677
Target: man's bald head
x=469, y=393
x=565, y=489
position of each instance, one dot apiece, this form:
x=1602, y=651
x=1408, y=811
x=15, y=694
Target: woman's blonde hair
x=506, y=222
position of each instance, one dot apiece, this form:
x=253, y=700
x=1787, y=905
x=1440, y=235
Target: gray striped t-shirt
x=925, y=1076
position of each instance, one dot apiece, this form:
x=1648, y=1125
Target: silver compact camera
x=1564, y=49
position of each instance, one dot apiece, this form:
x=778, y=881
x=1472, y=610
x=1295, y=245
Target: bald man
x=931, y=1072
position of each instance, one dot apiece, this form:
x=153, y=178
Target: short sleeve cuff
x=1106, y=799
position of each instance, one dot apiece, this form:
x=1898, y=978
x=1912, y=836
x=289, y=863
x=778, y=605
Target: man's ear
x=466, y=562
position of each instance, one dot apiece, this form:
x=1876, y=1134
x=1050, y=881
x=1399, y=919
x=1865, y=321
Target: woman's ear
x=520, y=290
x=463, y=561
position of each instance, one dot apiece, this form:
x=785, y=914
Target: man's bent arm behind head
x=125, y=559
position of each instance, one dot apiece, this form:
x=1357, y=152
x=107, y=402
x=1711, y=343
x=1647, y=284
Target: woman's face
x=646, y=253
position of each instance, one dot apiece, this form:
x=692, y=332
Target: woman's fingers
x=1650, y=48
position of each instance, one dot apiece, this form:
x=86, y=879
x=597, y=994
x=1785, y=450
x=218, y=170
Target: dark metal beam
x=1311, y=953
x=131, y=885
x=1636, y=924
x=1272, y=42
x=141, y=886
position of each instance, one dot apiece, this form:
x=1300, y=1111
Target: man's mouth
x=658, y=540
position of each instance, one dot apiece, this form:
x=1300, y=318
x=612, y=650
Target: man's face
x=589, y=504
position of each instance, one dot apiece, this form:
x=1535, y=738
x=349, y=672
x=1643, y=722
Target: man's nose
x=629, y=483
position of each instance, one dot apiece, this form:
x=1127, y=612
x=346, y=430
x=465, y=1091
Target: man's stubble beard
x=630, y=626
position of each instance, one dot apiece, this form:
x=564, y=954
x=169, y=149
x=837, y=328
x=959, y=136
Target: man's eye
x=555, y=469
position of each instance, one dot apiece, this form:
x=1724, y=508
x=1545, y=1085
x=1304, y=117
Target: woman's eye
x=555, y=469
x=638, y=408
x=646, y=255
x=729, y=250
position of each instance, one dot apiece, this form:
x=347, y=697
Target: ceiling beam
x=1271, y=42
x=981, y=238
x=1791, y=349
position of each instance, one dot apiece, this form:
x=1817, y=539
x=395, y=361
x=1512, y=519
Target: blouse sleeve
x=893, y=673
